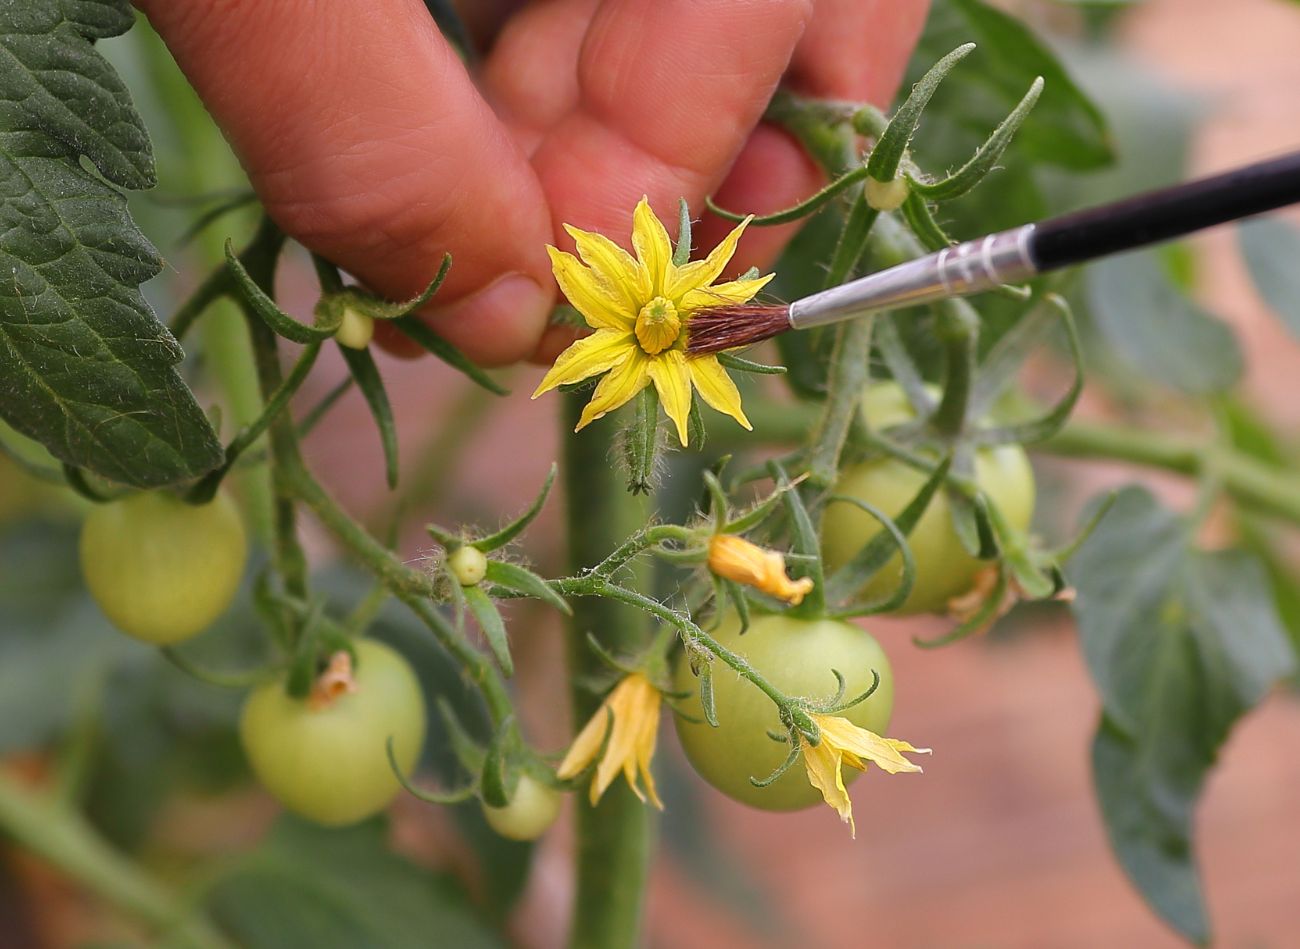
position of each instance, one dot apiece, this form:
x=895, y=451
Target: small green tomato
x=944, y=568
x=796, y=656
x=529, y=814
x=355, y=330
x=468, y=565
x=329, y=762
x=886, y=195
x=160, y=569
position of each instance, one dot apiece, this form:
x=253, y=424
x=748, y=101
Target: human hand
x=367, y=140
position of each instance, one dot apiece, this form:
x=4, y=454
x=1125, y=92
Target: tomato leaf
x=86, y=367
x=1065, y=128
x=1157, y=330
x=1181, y=644
x=1271, y=247
x=339, y=889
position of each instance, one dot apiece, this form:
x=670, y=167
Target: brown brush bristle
x=713, y=329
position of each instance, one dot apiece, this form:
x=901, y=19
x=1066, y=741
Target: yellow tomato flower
x=737, y=559
x=634, y=707
x=639, y=307
x=843, y=743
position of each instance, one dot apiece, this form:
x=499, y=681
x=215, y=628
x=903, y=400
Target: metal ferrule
x=955, y=271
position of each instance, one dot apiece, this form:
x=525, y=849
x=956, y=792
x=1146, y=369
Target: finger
x=852, y=49
x=366, y=140
x=521, y=77
x=668, y=92
x=858, y=49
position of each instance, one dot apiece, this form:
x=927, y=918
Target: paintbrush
x=1013, y=256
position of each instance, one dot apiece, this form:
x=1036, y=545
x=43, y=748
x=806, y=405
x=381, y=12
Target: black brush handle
x=1161, y=215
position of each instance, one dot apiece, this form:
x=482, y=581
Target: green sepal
x=696, y=433
x=302, y=668
x=795, y=748
x=521, y=580
x=892, y=144
x=242, y=679
x=1097, y=512
x=379, y=309
x=682, y=252
x=499, y=777
x=707, y=705
x=467, y=750
x=920, y=218
x=988, y=612
x=970, y=522
x=848, y=579
x=735, y=363
x=985, y=158
x=800, y=210
x=740, y=601
x=362, y=366
x=516, y=527
x=494, y=628
x=805, y=542
x=414, y=329
x=715, y=500
x=1047, y=425
x=446, y=538
x=852, y=242
x=459, y=796
x=755, y=515
x=640, y=441
x=280, y=323
x=902, y=367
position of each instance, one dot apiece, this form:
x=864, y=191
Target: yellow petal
x=734, y=291
x=645, y=746
x=585, y=746
x=591, y=295
x=822, y=763
x=885, y=753
x=589, y=356
x=701, y=273
x=673, y=382
x=620, y=386
x=620, y=752
x=716, y=388
x=653, y=248
x=620, y=270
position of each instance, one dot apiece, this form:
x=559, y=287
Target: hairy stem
x=61, y=836
x=614, y=836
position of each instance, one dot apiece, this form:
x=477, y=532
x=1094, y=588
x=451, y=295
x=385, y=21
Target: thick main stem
x=614, y=836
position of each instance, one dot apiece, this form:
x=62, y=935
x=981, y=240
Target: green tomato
x=944, y=568
x=468, y=565
x=796, y=656
x=529, y=814
x=160, y=569
x=330, y=764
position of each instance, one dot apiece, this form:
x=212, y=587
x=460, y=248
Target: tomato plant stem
x=613, y=850
x=60, y=835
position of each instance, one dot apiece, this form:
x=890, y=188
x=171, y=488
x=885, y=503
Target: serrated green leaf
x=521, y=580
x=494, y=628
x=1181, y=644
x=1156, y=330
x=1271, y=247
x=85, y=366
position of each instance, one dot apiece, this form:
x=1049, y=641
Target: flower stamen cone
x=735, y=558
x=639, y=307
x=630, y=716
x=843, y=743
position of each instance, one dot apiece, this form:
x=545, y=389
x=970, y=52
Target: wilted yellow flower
x=639, y=307
x=634, y=706
x=843, y=743
x=735, y=558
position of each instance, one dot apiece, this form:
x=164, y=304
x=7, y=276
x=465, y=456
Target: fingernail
x=500, y=324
